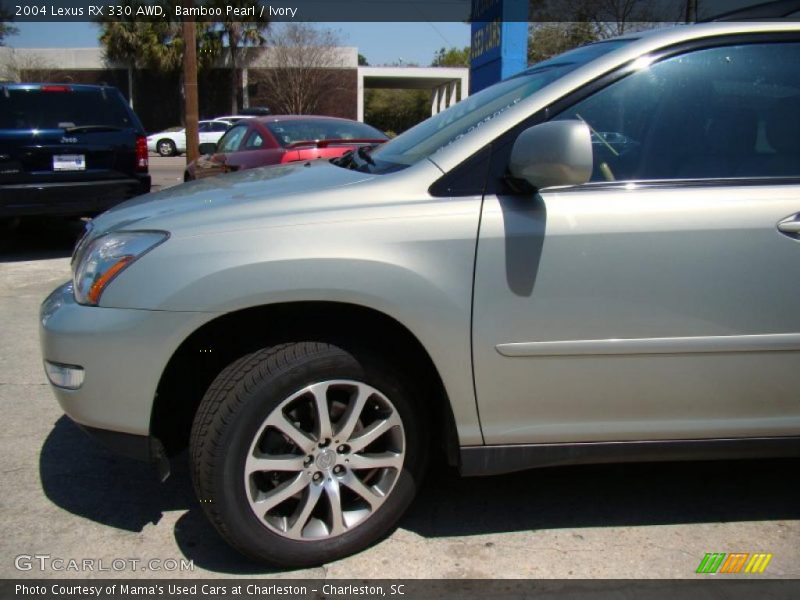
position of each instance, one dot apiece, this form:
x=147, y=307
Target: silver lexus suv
x=596, y=260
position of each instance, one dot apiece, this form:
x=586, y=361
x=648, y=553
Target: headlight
x=79, y=247
x=106, y=257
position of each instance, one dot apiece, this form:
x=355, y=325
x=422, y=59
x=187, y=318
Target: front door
x=662, y=300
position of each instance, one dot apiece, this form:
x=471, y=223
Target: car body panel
x=342, y=246
x=317, y=232
x=271, y=151
x=67, y=198
x=626, y=314
x=226, y=202
x=31, y=183
x=119, y=387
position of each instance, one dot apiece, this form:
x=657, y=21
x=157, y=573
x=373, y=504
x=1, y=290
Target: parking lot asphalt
x=166, y=172
x=65, y=496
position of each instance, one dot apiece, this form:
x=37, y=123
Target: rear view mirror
x=553, y=153
x=207, y=148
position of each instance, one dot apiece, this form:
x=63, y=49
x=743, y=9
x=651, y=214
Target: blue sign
x=499, y=47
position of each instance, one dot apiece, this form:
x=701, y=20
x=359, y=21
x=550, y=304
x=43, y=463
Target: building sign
x=499, y=44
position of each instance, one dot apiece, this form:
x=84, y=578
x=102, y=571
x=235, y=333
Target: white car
x=173, y=141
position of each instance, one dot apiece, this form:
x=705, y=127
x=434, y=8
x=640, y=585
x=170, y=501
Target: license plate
x=69, y=162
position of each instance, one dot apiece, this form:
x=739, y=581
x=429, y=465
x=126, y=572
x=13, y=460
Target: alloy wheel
x=324, y=460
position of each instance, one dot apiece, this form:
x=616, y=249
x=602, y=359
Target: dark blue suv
x=68, y=150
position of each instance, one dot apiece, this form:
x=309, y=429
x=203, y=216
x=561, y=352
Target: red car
x=280, y=139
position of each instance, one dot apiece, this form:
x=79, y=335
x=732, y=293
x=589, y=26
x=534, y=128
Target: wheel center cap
x=326, y=459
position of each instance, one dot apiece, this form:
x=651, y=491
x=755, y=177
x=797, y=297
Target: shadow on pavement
x=39, y=239
x=79, y=475
x=606, y=496
x=83, y=478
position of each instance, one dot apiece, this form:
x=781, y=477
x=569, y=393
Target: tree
x=6, y=28
x=608, y=18
x=155, y=43
x=124, y=43
x=303, y=68
x=549, y=39
x=362, y=61
x=396, y=110
x=237, y=36
x=451, y=57
x=24, y=67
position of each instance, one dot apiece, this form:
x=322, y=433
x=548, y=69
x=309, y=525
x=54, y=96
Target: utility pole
x=190, y=85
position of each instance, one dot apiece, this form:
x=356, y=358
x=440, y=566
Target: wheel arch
x=204, y=353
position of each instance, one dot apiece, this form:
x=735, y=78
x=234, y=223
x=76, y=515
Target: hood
x=231, y=198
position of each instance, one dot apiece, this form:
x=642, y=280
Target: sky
x=381, y=43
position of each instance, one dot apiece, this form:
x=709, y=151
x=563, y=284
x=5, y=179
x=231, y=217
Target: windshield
x=422, y=140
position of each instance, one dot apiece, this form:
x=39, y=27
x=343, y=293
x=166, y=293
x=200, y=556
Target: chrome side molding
x=772, y=342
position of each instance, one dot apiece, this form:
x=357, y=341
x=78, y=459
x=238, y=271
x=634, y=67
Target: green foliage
x=451, y=57
x=157, y=43
x=235, y=36
x=396, y=110
x=549, y=39
x=362, y=61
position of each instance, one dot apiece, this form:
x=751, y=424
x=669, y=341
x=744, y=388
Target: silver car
x=596, y=260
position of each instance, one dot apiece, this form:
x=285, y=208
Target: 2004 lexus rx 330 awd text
x=595, y=260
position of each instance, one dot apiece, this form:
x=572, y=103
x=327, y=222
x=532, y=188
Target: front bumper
x=123, y=353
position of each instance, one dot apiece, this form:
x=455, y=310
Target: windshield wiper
x=345, y=160
x=356, y=160
x=77, y=128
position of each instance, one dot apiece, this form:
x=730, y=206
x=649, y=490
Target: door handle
x=791, y=226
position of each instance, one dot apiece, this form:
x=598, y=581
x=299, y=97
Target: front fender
x=416, y=269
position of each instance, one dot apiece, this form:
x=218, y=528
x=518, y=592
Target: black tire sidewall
x=252, y=536
x=168, y=143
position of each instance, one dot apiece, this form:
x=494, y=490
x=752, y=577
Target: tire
x=166, y=148
x=282, y=510
x=9, y=227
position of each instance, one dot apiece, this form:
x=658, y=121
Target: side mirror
x=553, y=153
x=207, y=148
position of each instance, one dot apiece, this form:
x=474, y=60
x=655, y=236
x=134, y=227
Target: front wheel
x=306, y=452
